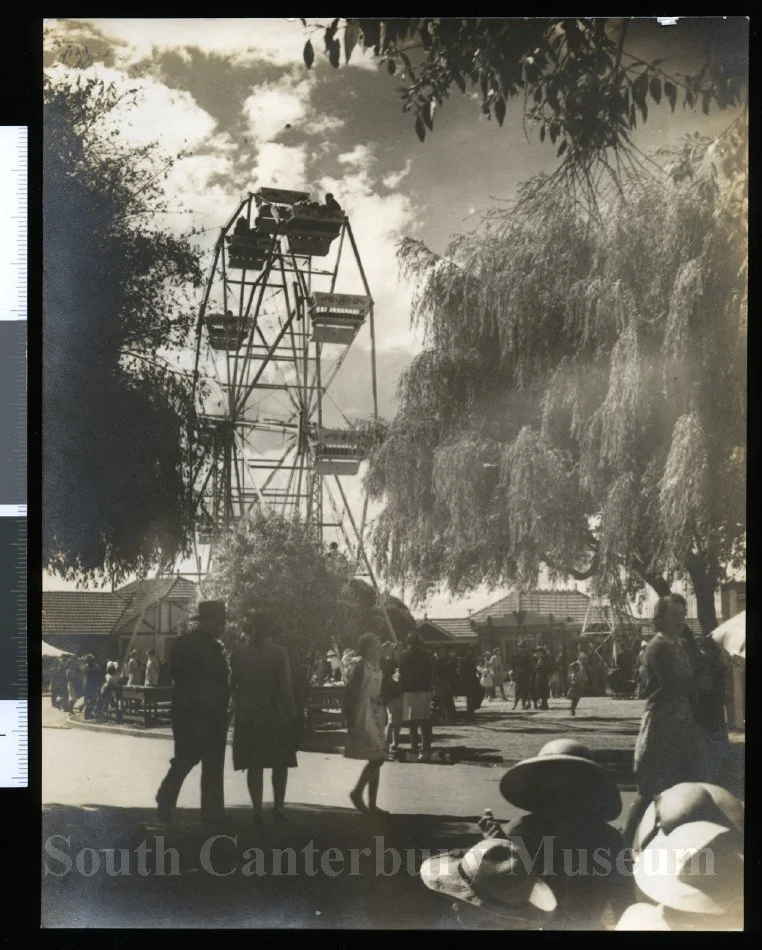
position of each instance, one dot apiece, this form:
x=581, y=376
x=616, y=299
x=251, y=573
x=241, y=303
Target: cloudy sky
x=234, y=98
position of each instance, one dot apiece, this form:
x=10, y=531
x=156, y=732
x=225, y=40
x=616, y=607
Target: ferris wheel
x=274, y=328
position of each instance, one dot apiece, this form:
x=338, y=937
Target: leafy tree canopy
x=580, y=401
x=115, y=409
x=267, y=563
x=583, y=84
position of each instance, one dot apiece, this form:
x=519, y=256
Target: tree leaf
x=309, y=54
x=391, y=66
x=334, y=54
x=351, y=34
x=562, y=148
x=420, y=128
x=425, y=113
x=459, y=81
x=500, y=110
x=670, y=91
x=408, y=65
x=655, y=89
x=542, y=132
x=639, y=90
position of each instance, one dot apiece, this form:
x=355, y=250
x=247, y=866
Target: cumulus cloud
x=273, y=106
x=170, y=117
x=361, y=156
x=394, y=179
x=280, y=166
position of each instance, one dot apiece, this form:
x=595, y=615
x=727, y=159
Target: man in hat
x=200, y=676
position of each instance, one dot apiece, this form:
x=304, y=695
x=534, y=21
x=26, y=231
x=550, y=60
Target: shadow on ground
x=284, y=877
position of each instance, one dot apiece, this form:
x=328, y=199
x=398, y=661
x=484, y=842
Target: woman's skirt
x=366, y=734
x=417, y=706
x=669, y=748
x=394, y=711
x=262, y=745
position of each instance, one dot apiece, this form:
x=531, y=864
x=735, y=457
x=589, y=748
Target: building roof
x=69, y=612
x=98, y=612
x=452, y=628
x=143, y=594
x=566, y=606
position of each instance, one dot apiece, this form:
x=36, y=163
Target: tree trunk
x=704, y=580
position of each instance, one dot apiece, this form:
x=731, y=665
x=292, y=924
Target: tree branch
x=578, y=575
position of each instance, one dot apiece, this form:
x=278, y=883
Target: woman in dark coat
x=265, y=714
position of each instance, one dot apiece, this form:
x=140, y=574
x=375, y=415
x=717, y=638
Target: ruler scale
x=14, y=729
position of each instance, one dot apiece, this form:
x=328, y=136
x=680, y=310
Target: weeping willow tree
x=579, y=405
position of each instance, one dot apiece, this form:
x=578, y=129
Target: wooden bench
x=321, y=699
x=146, y=706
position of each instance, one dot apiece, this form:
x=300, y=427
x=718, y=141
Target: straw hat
x=568, y=766
x=697, y=868
x=493, y=877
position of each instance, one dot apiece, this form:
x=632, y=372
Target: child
x=575, y=684
x=111, y=689
x=566, y=835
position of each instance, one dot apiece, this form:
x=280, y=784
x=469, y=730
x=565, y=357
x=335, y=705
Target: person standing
x=91, y=686
x=522, y=674
x=72, y=686
x=58, y=690
x=669, y=748
x=152, y=669
x=486, y=680
x=365, y=714
x=542, y=672
x=709, y=672
x=200, y=675
x=133, y=670
x=498, y=673
x=391, y=694
x=111, y=691
x=443, y=686
x=469, y=684
x=266, y=720
x=575, y=684
x=416, y=680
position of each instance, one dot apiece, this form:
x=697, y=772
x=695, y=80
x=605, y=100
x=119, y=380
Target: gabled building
x=143, y=615
x=448, y=632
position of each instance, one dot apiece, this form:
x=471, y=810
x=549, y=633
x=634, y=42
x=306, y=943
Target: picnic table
x=323, y=697
x=146, y=706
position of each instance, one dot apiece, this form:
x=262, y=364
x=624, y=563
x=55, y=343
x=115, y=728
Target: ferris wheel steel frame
x=276, y=334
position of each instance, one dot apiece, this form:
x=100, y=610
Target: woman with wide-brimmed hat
x=265, y=724
x=570, y=800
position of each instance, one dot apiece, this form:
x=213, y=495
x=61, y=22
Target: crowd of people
x=644, y=881
x=97, y=686
x=519, y=875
